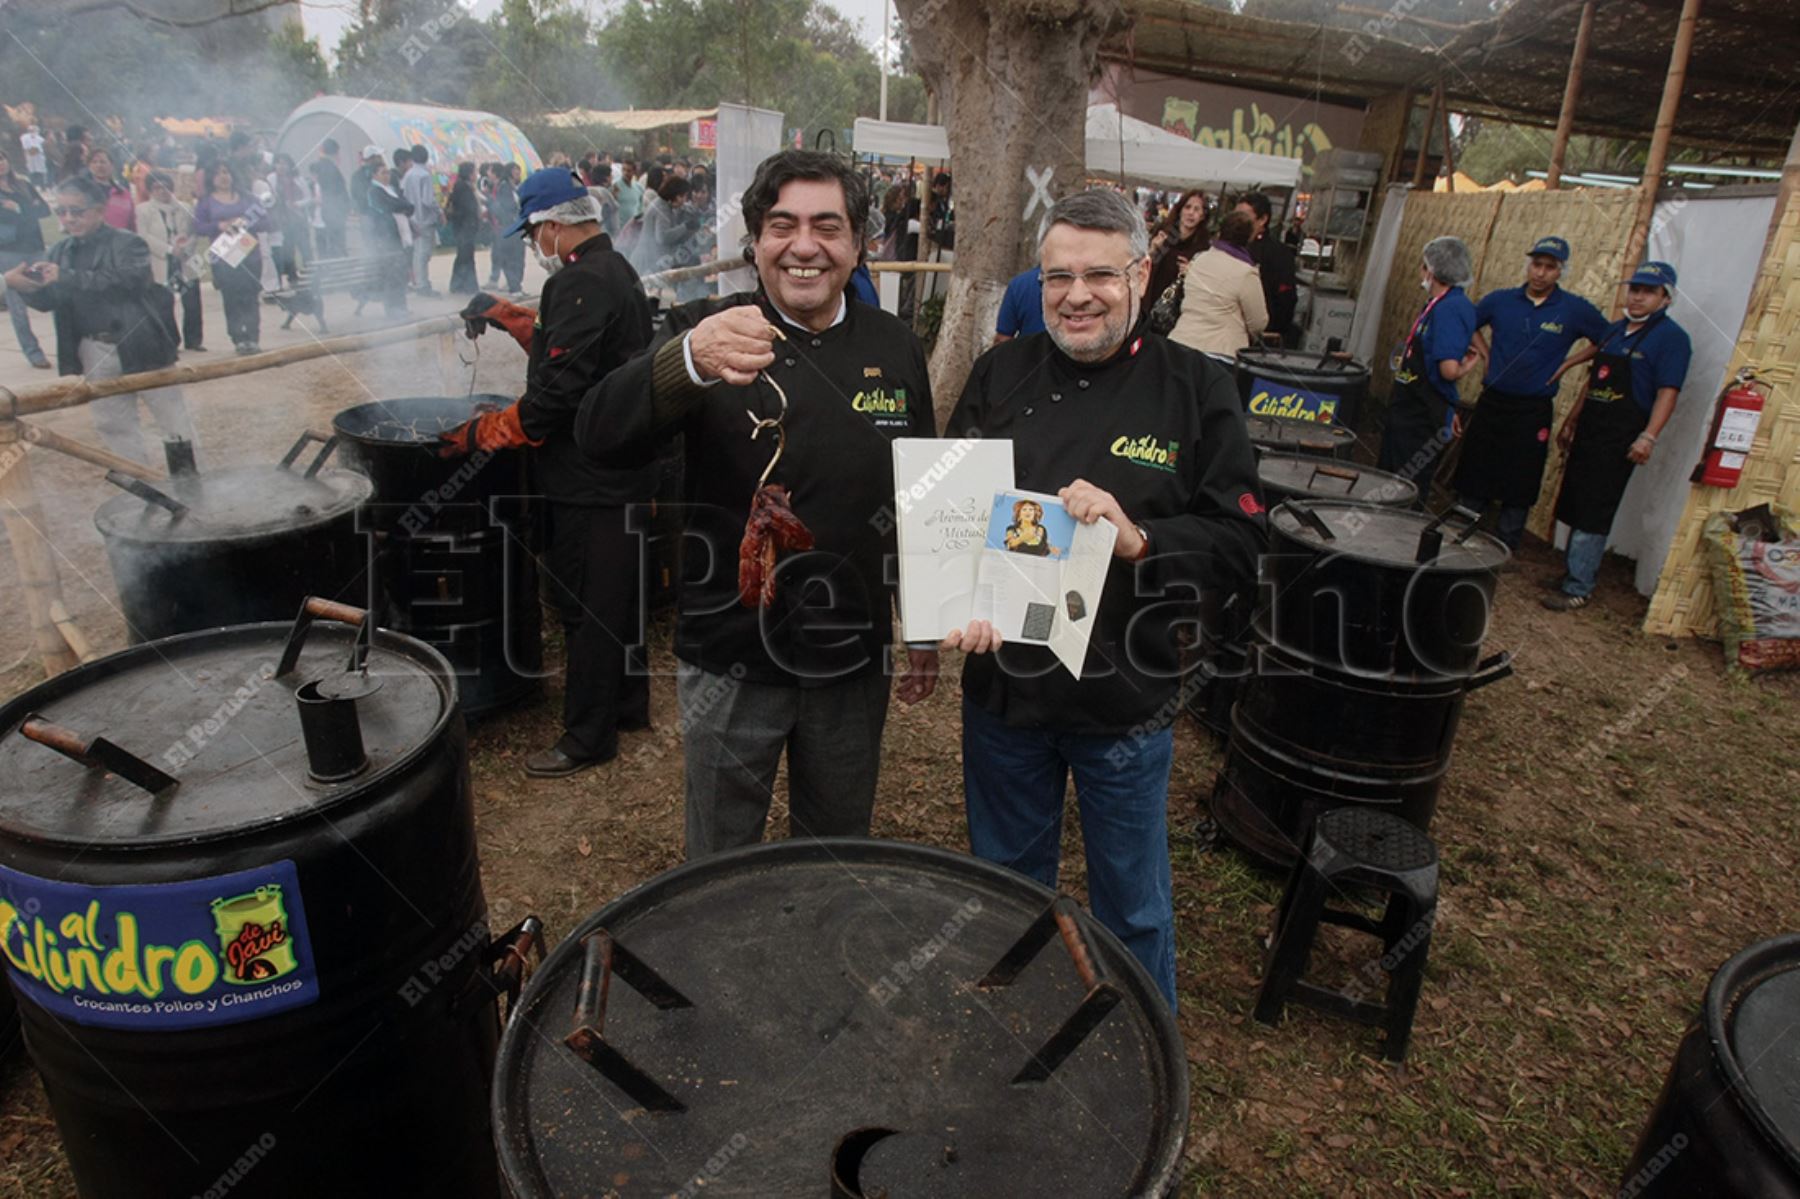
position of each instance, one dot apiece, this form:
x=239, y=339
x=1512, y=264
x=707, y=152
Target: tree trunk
x=1013, y=76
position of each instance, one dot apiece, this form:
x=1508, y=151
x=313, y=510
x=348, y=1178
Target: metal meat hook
x=759, y=423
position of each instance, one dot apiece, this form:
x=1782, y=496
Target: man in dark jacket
x=804, y=671
x=593, y=316
x=1149, y=436
x=1275, y=262
x=111, y=317
x=334, y=200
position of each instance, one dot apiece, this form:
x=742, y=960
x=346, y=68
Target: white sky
x=327, y=19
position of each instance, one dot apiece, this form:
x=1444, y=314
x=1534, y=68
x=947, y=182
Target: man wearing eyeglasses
x=1148, y=435
x=112, y=317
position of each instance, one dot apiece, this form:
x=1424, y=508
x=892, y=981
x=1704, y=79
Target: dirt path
x=1601, y=855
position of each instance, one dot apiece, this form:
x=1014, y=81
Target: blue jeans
x=1584, y=554
x=1013, y=782
x=17, y=309
x=1510, y=525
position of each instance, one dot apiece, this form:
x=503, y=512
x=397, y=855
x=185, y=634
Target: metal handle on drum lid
x=1352, y=477
x=1312, y=520
x=1102, y=995
x=147, y=493
x=510, y=959
x=602, y=958
x=97, y=753
x=330, y=441
x=1431, y=540
x=314, y=607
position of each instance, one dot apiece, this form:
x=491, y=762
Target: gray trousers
x=424, y=242
x=116, y=417
x=733, y=733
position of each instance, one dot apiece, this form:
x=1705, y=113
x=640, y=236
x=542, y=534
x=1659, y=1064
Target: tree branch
x=251, y=8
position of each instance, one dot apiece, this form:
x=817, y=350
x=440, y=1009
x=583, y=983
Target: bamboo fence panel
x=1769, y=342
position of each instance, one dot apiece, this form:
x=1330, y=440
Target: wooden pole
x=23, y=517
x=1418, y=179
x=1449, y=154
x=94, y=455
x=1406, y=110
x=1565, y=120
x=1659, y=144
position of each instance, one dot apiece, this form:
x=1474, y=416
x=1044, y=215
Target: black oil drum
x=1292, y=385
x=452, y=563
x=244, y=918
x=1377, y=591
x=1273, y=434
x=1310, y=477
x=233, y=546
x=839, y=1018
x=1727, y=1124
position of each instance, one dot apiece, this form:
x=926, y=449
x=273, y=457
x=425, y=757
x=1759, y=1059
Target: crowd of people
x=803, y=670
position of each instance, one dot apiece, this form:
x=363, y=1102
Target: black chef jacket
x=1160, y=427
x=851, y=389
x=1281, y=290
x=593, y=317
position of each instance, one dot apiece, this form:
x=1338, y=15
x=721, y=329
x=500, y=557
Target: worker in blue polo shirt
x=1640, y=364
x=1532, y=329
x=1436, y=353
x=1022, y=308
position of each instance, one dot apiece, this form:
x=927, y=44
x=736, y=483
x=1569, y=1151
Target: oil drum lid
x=1280, y=433
x=243, y=501
x=1751, y=1007
x=1327, y=478
x=411, y=420
x=1386, y=536
x=783, y=1013
x=208, y=711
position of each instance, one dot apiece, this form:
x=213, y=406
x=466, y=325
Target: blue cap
x=542, y=190
x=1551, y=247
x=1654, y=274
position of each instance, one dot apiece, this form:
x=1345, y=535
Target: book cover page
x=942, y=491
x=1041, y=574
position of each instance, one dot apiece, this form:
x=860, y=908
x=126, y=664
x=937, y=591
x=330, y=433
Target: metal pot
x=232, y=546
x=1273, y=433
x=1379, y=591
x=1294, y=385
x=1310, y=477
x=452, y=562
x=841, y=1017
x=244, y=914
x=1727, y=1123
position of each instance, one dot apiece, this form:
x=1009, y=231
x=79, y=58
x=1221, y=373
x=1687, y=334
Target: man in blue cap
x=1532, y=329
x=1640, y=364
x=592, y=317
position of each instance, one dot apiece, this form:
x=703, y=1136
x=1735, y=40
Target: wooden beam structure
x=1659, y=144
x=1565, y=121
x=1418, y=179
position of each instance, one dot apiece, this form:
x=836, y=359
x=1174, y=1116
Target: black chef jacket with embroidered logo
x=593, y=317
x=851, y=390
x=1160, y=427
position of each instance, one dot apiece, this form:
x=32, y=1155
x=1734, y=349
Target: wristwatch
x=1144, y=549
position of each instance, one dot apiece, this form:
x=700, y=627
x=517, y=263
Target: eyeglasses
x=67, y=210
x=1100, y=278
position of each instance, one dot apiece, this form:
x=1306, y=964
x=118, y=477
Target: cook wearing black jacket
x=1148, y=435
x=592, y=318
x=807, y=674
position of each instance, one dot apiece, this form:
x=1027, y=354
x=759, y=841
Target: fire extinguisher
x=1733, y=429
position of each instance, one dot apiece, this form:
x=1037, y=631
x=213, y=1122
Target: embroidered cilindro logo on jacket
x=1147, y=451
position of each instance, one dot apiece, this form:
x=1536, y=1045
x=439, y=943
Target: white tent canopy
x=452, y=135
x=1147, y=154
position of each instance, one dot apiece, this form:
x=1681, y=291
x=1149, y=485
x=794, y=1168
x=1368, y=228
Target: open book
x=942, y=491
x=1041, y=574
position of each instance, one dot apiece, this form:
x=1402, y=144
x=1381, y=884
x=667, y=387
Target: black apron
x=1415, y=415
x=1598, y=470
x=1505, y=448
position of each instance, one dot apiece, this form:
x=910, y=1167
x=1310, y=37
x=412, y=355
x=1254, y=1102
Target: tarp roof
x=1148, y=154
x=1506, y=59
x=632, y=120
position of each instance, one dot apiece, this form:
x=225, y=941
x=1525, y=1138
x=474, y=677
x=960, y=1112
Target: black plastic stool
x=1357, y=847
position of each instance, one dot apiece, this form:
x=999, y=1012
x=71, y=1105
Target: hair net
x=1447, y=258
x=573, y=212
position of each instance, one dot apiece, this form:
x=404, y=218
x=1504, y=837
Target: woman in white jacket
x=1222, y=305
x=177, y=257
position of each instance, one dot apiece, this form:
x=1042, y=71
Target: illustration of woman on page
x=1027, y=535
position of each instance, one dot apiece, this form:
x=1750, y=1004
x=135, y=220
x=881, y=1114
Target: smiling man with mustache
x=806, y=675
